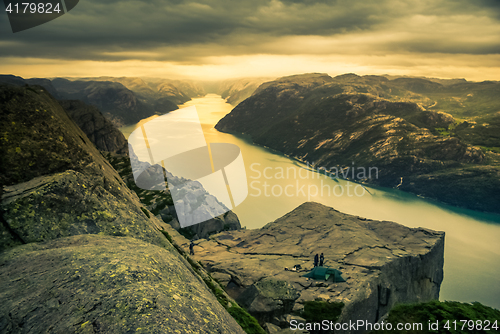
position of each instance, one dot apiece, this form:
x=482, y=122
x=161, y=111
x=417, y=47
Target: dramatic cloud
x=187, y=33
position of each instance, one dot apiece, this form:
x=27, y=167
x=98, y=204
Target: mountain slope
x=153, y=89
x=312, y=118
x=116, y=102
x=101, y=132
x=78, y=252
x=236, y=90
x=52, y=174
x=123, y=100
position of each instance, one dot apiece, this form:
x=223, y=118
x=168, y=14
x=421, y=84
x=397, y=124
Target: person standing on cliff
x=316, y=260
x=191, y=248
x=321, y=260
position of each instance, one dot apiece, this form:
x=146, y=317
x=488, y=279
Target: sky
x=219, y=39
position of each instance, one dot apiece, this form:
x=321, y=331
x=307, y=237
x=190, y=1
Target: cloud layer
x=188, y=33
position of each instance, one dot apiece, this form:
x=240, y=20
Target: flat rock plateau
x=383, y=263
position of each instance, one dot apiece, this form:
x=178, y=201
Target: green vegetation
x=491, y=149
x=169, y=238
x=319, y=310
x=449, y=316
x=146, y=212
x=443, y=132
x=154, y=199
x=245, y=320
x=447, y=131
x=249, y=324
x=217, y=291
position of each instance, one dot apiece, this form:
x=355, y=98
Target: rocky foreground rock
x=79, y=253
x=383, y=263
x=104, y=284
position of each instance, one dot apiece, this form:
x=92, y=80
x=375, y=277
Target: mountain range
x=82, y=250
x=433, y=139
x=123, y=101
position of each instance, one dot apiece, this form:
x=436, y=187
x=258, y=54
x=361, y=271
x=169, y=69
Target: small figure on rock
x=316, y=260
x=321, y=260
x=191, y=248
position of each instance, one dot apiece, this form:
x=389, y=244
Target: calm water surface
x=472, y=243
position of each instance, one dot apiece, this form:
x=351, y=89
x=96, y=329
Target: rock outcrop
x=383, y=263
x=79, y=253
x=269, y=299
x=104, y=284
x=225, y=222
x=56, y=183
x=101, y=132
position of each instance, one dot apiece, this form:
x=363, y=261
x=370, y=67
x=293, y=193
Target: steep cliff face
x=101, y=132
x=79, y=252
x=56, y=182
x=383, y=263
x=330, y=124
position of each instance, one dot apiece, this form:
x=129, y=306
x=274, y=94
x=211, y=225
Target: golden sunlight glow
x=474, y=68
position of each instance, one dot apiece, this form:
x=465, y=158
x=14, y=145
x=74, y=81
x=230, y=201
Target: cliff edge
x=382, y=262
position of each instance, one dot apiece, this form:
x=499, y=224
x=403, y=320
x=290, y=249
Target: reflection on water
x=472, y=251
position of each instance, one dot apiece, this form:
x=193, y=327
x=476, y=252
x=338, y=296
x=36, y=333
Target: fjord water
x=472, y=242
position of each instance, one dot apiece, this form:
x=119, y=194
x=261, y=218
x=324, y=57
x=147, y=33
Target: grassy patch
x=245, y=320
x=445, y=313
x=169, y=238
x=490, y=149
x=319, y=310
x=218, y=293
x=443, y=132
x=146, y=212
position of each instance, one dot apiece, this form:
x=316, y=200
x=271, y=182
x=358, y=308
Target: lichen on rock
x=104, y=284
